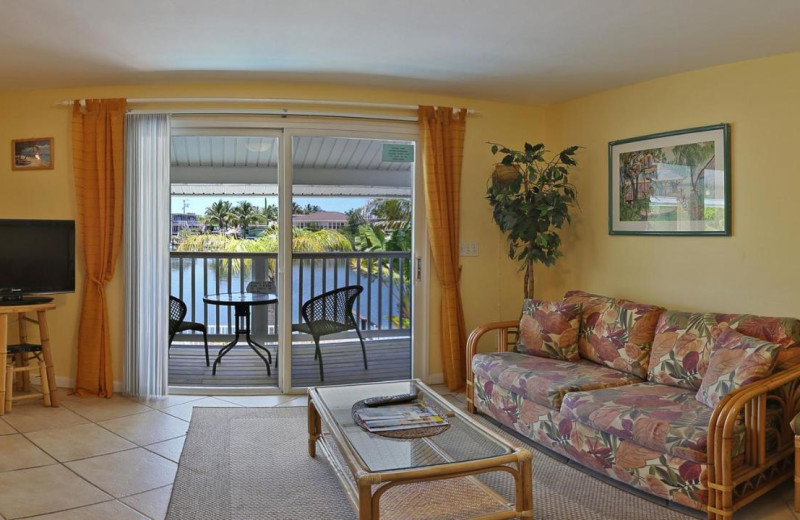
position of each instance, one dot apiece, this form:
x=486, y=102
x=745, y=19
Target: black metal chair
x=329, y=313
x=177, y=313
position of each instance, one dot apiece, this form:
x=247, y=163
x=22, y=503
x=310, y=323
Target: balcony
x=382, y=312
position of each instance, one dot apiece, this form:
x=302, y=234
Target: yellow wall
x=489, y=281
x=754, y=270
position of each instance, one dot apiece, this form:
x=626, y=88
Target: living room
x=595, y=75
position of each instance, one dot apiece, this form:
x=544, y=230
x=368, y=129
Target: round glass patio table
x=241, y=303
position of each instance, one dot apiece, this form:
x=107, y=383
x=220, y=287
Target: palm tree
x=270, y=213
x=219, y=215
x=311, y=208
x=245, y=215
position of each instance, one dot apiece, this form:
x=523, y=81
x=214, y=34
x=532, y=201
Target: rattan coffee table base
x=365, y=488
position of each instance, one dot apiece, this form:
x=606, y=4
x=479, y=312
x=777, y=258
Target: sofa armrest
x=504, y=330
x=750, y=404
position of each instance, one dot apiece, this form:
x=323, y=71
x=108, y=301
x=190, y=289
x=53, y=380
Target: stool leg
x=9, y=386
x=45, y=385
x=24, y=382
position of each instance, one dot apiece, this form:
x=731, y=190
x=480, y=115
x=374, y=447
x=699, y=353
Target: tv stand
x=10, y=295
x=23, y=300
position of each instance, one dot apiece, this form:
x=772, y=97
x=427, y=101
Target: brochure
x=399, y=417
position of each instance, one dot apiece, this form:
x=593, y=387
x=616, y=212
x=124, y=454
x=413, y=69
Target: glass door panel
x=224, y=240
x=351, y=265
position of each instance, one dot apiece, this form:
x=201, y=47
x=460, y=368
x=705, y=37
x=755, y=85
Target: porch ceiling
x=297, y=190
x=308, y=153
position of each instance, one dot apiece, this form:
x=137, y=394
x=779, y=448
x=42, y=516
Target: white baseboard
x=69, y=383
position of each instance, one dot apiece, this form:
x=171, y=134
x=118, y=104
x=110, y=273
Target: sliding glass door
x=352, y=257
x=331, y=234
x=224, y=240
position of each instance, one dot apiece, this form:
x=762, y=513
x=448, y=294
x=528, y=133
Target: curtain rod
x=355, y=104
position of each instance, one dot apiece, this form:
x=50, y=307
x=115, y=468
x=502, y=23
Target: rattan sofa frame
x=733, y=482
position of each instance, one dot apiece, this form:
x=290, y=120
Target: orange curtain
x=97, y=147
x=443, y=144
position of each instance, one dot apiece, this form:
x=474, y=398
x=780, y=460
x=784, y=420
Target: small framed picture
x=32, y=154
x=672, y=183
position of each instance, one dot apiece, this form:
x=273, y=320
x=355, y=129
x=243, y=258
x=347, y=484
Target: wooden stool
x=44, y=339
x=22, y=367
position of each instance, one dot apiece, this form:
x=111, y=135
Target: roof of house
x=321, y=216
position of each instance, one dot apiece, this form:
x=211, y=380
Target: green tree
x=311, y=208
x=390, y=210
x=531, y=202
x=218, y=215
x=245, y=215
x=270, y=213
x=696, y=156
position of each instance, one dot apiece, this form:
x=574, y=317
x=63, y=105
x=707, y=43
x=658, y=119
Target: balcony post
x=260, y=312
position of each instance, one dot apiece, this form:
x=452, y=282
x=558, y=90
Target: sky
x=198, y=204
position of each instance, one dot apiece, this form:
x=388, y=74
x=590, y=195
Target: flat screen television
x=36, y=257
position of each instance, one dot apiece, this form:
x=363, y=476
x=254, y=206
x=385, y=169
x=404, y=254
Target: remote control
x=389, y=399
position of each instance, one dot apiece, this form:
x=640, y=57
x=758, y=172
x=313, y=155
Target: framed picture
x=32, y=154
x=672, y=183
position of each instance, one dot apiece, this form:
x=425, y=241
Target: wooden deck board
x=388, y=359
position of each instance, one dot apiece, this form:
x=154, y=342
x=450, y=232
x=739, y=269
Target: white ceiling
x=523, y=51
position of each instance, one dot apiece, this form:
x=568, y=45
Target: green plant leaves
x=533, y=207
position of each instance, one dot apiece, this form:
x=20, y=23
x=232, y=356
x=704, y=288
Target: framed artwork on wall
x=671, y=183
x=32, y=154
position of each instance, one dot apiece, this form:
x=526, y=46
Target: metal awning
x=297, y=190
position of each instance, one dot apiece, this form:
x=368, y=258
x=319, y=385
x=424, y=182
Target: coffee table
x=376, y=464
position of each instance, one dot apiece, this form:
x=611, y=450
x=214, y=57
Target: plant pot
x=504, y=173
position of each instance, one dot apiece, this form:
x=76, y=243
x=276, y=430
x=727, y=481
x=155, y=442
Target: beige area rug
x=253, y=463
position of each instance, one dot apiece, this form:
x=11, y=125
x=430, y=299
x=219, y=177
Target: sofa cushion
x=682, y=345
x=736, y=360
x=549, y=329
x=614, y=332
x=660, y=417
x=544, y=380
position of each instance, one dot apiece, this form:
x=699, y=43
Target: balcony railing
x=383, y=308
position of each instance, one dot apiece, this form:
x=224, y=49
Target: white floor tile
x=147, y=428
x=127, y=472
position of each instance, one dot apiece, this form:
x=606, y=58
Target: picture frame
x=36, y=153
x=674, y=183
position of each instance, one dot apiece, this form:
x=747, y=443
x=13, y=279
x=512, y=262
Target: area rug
x=253, y=463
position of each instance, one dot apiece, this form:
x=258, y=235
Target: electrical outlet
x=468, y=249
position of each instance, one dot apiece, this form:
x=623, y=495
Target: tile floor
x=116, y=458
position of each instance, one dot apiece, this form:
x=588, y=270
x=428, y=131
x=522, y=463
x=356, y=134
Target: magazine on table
x=399, y=417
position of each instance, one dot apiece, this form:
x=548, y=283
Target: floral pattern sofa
x=626, y=402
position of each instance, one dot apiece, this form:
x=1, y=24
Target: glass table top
x=463, y=441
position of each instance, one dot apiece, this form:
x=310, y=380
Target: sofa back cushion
x=549, y=329
x=614, y=332
x=736, y=360
x=683, y=341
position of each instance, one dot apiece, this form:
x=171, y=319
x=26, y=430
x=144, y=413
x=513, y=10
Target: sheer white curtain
x=147, y=214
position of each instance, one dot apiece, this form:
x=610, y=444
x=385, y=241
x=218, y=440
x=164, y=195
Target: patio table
x=241, y=303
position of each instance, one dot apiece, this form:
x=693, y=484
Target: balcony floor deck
x=388, y=359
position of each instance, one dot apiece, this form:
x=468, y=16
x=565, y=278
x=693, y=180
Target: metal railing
x=383, y=306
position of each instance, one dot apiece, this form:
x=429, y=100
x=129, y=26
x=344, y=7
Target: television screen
x=37, y=256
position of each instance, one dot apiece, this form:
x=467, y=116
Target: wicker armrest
x=750, y=404
x=504, y=330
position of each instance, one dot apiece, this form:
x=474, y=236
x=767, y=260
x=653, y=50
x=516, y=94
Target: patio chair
x=177, y=313
x=329, y=313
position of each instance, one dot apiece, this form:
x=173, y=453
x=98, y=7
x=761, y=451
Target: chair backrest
x=334, y=306
x=177, y=311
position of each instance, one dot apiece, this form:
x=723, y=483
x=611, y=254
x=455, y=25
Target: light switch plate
x=468, y=249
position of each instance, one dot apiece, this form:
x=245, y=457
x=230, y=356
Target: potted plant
x=531, y=197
